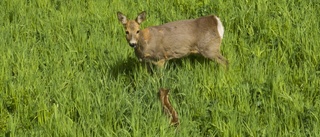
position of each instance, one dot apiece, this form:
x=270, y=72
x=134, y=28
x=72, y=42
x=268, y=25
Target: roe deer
x=177, y=39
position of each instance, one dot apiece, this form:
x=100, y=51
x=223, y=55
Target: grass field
x=67, y=70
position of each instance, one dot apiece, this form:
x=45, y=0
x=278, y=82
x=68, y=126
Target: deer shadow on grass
x=193, y=59
x=130, y=65
x=124, y=67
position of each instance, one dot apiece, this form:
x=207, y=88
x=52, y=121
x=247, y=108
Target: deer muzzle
x=133, y=45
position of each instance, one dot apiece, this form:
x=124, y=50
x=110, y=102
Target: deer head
x=132, y=27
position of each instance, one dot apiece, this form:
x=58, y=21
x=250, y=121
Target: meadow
x=67, y=70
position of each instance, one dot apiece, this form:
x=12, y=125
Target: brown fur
x=158, y=44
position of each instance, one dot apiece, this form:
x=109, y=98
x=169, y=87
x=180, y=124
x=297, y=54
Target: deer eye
x=138, y=31
x=127, y=32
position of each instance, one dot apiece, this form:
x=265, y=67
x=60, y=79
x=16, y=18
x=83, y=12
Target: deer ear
x=141, y=17
x=122, y=18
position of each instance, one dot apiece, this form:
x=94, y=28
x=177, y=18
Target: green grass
x=66, y=70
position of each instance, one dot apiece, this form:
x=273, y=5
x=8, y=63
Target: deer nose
x=133, y=45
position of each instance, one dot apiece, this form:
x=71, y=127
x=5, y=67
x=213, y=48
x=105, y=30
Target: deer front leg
x=159, y=63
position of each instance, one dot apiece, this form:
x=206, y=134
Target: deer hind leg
x=215, y=54
x=217, y=57
x=220, y=59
